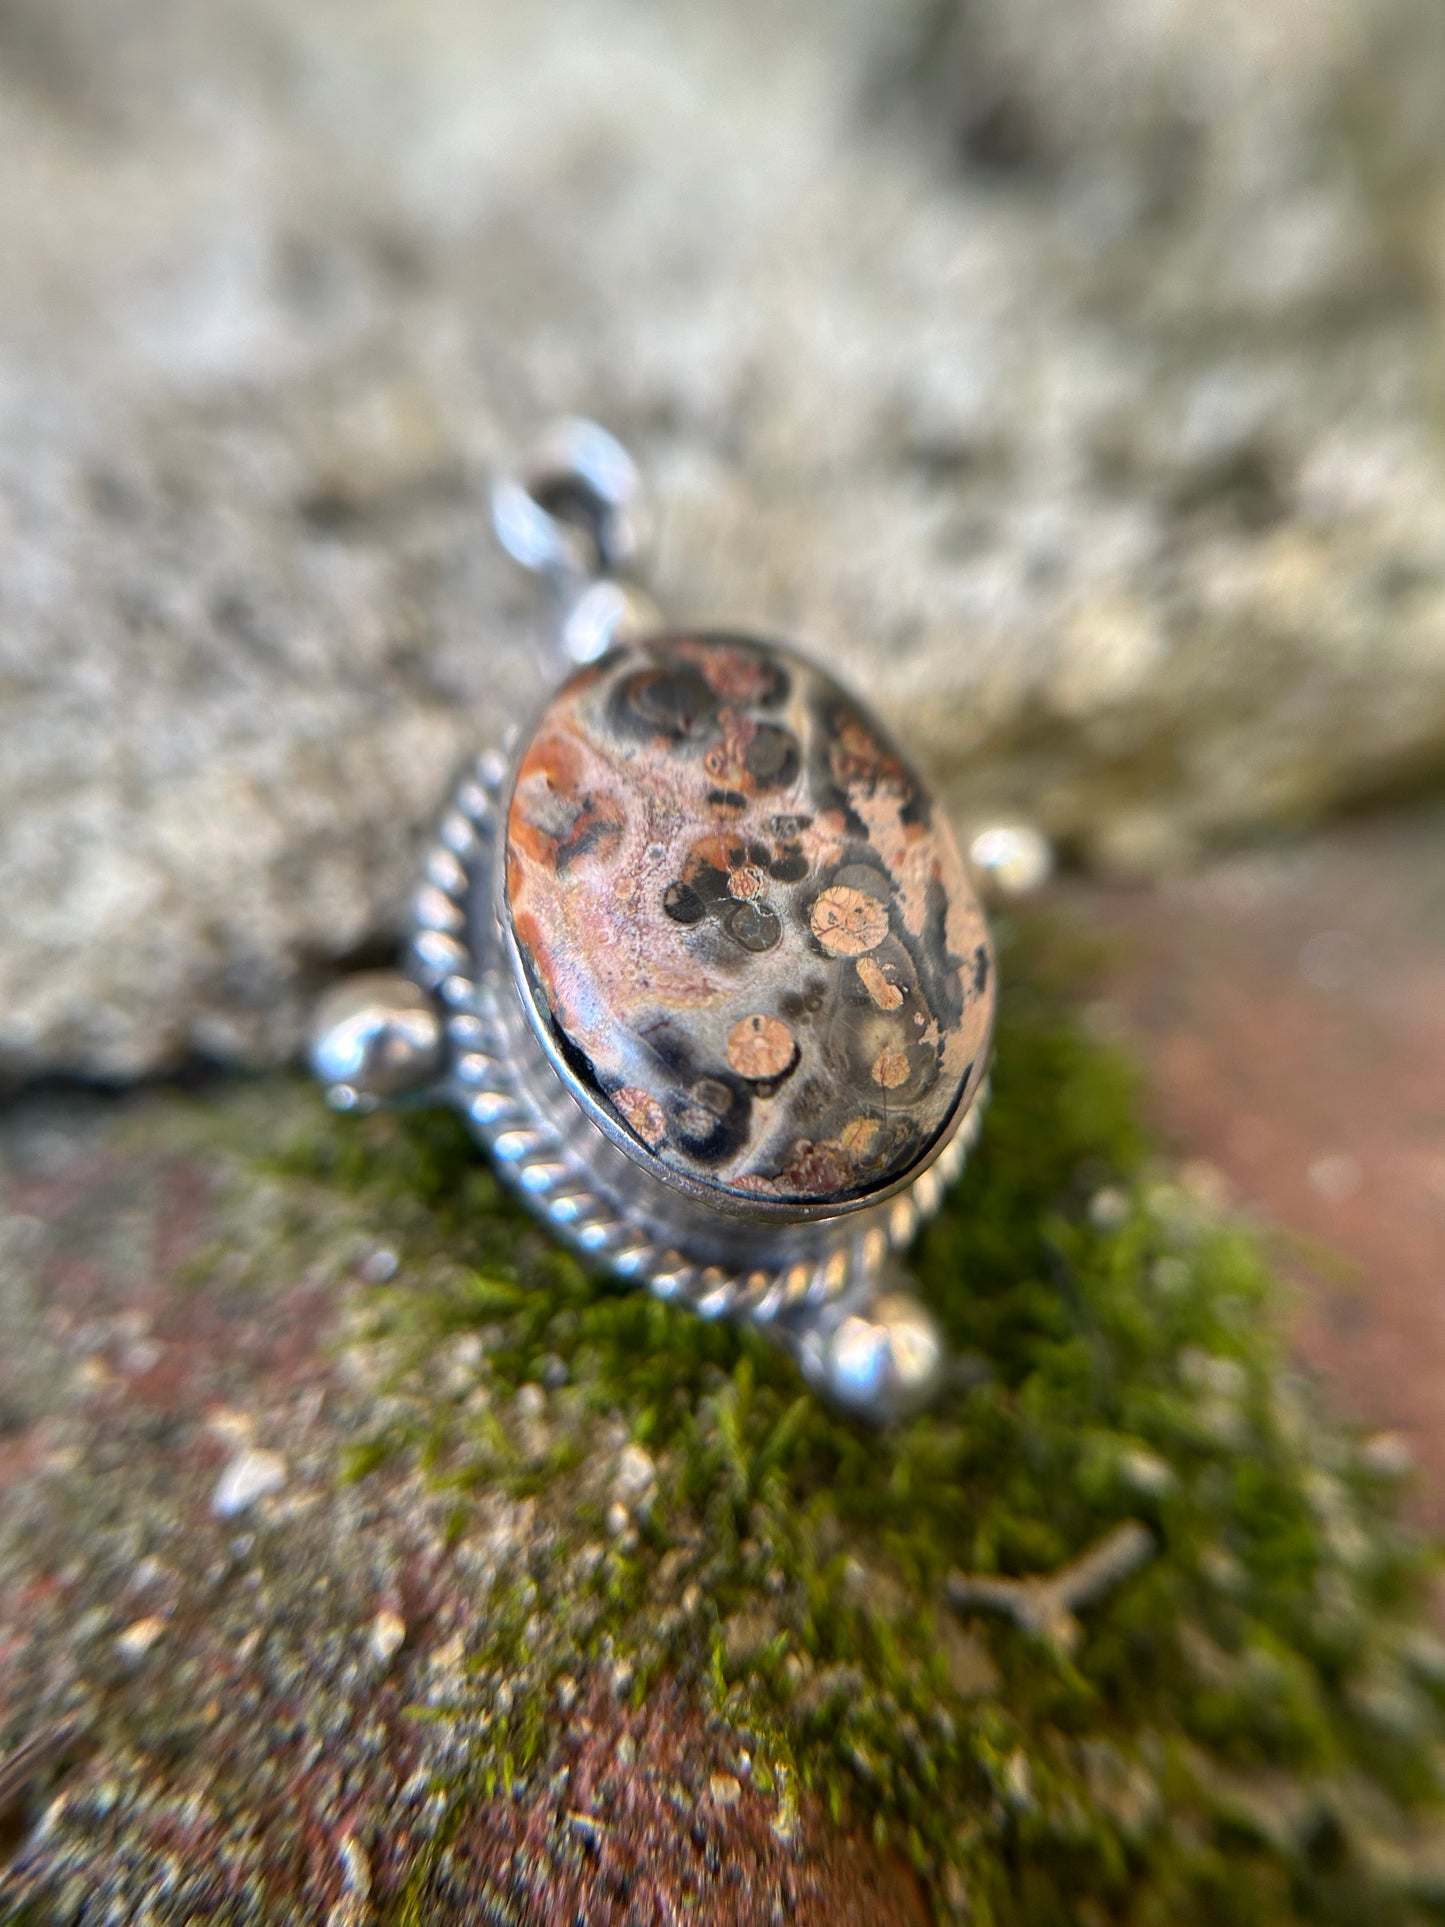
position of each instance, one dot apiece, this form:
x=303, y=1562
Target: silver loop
x=574, y=509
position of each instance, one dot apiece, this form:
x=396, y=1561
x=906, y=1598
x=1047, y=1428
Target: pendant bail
x=575, y=512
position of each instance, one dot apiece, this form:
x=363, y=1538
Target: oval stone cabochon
x=748, y=921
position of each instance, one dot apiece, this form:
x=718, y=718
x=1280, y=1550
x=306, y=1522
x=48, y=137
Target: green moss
x=1250, y=1730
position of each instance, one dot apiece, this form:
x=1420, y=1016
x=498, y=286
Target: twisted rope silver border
x=549, y=1152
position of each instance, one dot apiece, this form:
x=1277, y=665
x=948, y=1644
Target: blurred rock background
x=1072, y=373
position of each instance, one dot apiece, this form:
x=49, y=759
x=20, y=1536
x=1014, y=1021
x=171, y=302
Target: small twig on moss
x=1048, y=1606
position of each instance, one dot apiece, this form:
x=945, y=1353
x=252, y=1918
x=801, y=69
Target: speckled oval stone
x=746, y=922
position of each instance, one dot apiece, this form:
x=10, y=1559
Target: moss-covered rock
x=387, y=1567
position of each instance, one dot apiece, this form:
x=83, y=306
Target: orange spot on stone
x=747, y=883
x=881, y=989
x=859, y=1136
x=890, y=1068
x=848, y=922
x=642, y=1111
x=818, y=1170
x=761, y=1047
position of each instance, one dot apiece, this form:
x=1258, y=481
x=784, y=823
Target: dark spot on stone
x=917, y=808
x=714, y=1095
x=727, y=799
x=789, y=866
x=674, y=702
x=711, y=884
x=773, y=757
x=669, y=1048
x=710, y=1117
x=811, y=1095
x=940, y=971
x=980, y=967
x=753, y=925
x=865, y=876
x=790, y=826
x=683, y=904
x=780, y=682
x=592, y=826
x=806, y=1002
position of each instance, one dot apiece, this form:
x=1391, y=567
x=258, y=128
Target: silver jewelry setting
x=457, y=1026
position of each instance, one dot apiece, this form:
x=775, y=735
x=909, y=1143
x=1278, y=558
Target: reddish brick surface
x=1288, y=1009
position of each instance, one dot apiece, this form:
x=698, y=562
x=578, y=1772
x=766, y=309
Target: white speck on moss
x=388, y=1631
x=1170, y=1276
x=249, y=1477
x=1145, y=1472
x=137, y=1639
x=1388, y=1455
x=379, y=1266
x=1110, y=1208
x=634, y=1483
x=1018, y=1782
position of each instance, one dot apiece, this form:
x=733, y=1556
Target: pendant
x=700, y=962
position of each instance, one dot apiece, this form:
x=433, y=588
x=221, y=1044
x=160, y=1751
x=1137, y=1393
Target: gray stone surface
x=1070, y=376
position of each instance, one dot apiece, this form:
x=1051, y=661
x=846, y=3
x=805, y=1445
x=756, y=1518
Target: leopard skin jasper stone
x=747, y=922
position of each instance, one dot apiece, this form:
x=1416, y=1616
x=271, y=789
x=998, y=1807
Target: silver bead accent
x=882, y=1361
x=374, y=1036
x=1012, y=859
x=604, y=614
